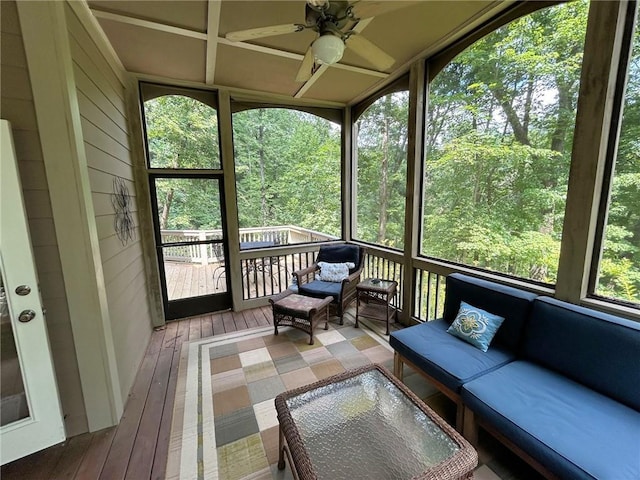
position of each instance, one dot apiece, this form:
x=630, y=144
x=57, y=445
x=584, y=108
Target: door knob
x=26, y=316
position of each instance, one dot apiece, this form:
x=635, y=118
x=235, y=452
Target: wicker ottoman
x=299, y=311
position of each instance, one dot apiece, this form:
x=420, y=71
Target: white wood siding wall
x=17, y=107
x=105, y=130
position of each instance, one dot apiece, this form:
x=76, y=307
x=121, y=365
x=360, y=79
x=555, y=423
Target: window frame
x=615, y=127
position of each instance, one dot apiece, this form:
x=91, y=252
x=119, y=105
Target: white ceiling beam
x=151, y=25
x=213, y=24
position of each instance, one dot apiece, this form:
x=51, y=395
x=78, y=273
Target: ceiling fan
x=334, y=21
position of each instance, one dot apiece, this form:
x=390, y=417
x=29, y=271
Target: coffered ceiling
x=185, y=40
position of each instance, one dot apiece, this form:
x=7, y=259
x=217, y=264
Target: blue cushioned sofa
x=565, y=395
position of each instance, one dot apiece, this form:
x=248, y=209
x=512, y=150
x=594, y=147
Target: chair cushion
x=334, y=272
x=444, y=357
x=475, y=326
x=342, y=253
x=572, y=430
x=598, y=350
x=320, y=289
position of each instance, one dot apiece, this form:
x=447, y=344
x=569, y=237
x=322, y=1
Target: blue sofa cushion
x=573, y=431
x=512, y=304
x=598, y=350
x=446, y=358
x=342, y=253
x=320, y=289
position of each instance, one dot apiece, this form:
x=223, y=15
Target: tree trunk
x=384, y=175
x=519, y=130
x=261, y=158
x=166, y=208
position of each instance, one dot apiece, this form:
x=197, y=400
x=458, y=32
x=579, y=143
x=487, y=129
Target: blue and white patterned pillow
x=334, y=272
x=475, y=326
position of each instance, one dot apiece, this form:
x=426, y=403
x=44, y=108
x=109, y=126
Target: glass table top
x=366, y=427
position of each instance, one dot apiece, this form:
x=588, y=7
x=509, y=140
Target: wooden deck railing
x=269, y=272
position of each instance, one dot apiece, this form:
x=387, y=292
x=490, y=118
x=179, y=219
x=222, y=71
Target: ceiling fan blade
x=304, y=73
x=370, y=52
x=370, y=8
x=261, y=32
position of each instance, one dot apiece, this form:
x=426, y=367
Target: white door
x=30, y=408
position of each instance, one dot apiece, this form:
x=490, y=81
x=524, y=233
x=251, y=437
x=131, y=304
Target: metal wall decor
x=121, y=201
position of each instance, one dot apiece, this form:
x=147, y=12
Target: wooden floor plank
x=250, y=319
x=195, y=328
x=144, y=448
x=37, y=465
x=159, y=466
x=118, y=459
x=229, y=324
x=96, y=455
x=238, y=319
x=218, y=324
x=207, y=326
x=70, y=461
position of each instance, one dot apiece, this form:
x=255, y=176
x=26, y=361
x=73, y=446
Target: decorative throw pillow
x=475, y=326
x=334, y=272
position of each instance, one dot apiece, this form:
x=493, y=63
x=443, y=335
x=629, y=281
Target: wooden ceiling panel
x=405, y=33
x=237, y=67
x=160, y=49
x=188, y=14
x=340, y=85
x=143, y=50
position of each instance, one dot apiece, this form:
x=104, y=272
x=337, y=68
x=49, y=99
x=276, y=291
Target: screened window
x=382, y=171
x=288, y=177
x=182, y=132
x=619, y=269
x=498, y=140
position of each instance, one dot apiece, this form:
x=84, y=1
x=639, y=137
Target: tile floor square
x=227, y=380
x=329, y=337
x=260, y=371
x=289, y=363
x=223, y=364
x=222, y=350
x=266, y=414
x=259, y=355
x=228, y=401
x=265, y=389
x=234, y=426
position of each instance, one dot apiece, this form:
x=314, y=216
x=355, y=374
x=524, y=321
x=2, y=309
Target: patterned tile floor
x=225, y=423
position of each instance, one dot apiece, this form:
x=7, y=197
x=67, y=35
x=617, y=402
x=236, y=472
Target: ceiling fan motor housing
x=332, y=13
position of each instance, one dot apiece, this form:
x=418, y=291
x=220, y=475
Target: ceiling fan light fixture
x=328, y=48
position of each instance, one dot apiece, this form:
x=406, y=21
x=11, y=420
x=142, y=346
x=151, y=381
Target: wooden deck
x=137, y=448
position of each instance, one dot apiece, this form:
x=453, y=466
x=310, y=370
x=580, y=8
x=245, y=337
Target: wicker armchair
x=343, y=292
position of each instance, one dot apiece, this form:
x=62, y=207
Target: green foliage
x=382, y=170
x=499, y=146
x=287, y=170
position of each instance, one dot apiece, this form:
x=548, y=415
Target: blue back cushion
x=508, y=302
x=340, y=254
x=598, y=350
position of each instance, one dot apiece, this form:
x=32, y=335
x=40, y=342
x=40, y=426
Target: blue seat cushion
x=572, y=430
x=320, y=289
x=446, y=358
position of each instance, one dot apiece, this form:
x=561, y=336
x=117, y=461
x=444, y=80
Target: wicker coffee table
x=364, y=423
x=299, y=311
